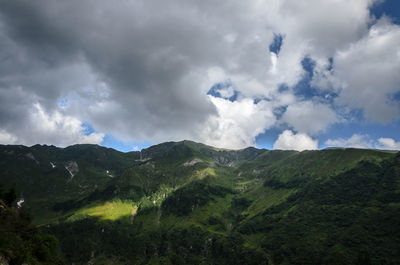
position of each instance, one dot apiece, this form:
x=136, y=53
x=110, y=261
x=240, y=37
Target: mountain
x=189, y=203
x=20, y=241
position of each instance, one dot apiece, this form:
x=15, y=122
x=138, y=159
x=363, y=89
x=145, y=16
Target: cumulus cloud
x=58, y=129
x=355, y=141
x=144, y=75
x=7, y=138
x=155, y=64
x=288, y=140
x=237, y=123
x=369, y=69
x=364, y=141
x=334, y=25
x=312, y=34
x=55, y=128
x=309, y=117
x=388, y=143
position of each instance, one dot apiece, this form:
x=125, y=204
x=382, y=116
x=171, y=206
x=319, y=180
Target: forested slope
x=188, y=203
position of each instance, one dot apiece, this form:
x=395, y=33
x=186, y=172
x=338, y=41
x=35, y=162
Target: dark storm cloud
x=135, y=49
x=152, y=57
x=37, y=29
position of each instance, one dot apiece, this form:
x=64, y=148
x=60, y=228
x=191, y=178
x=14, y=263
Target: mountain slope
x=350, y=218
x=188, y=203
x=44, y=175
x=21, y=242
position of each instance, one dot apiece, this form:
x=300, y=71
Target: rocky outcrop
x=72, y=168
x=32, y=157
x=3, y=260
x=192, y=162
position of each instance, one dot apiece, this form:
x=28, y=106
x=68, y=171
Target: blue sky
x=276, y=74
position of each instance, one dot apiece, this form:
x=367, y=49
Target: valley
x=189, y=203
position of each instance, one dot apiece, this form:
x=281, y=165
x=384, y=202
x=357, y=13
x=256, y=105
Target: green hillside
x=20, y=241
x=189, y=203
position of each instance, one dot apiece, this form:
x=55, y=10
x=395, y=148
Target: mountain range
x=189, y=203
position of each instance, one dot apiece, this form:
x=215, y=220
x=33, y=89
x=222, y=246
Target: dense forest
x=20, y=241
x=188, y=203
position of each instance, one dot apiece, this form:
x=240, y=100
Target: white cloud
x=55, y=128
x=7, y=138
x=388, y=143
x=135, y=148
x=274, y=60
x=41, y=127
x=314, y=34
x=287, y=140
x=324, y=78
x=364, y=141
x=237, y=123
x=369, y=71
x=355, y=141
x=309, y=117
x=336, y=23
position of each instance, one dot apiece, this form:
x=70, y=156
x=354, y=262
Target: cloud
x=59, y=129
x=142, y=75
x=364, y=141
x=237, y=123
x=135, y=148
x=7, y=138
x=287, y=140
x=50, y=128
x=388, y=143
x=309, y=117
x=154, y=64
x=368, y=70
x=317, y=35
x=355, y=141
x=336, y=23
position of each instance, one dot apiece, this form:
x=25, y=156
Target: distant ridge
x=189, y=203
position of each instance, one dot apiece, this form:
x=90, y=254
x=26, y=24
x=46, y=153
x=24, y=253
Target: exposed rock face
x=224, y=161
x=192, y=162
x=108, y=172
x=143, y=157
x=10, y=153
x=32, y=157
x=72, y=168
x=133, y=213
x=3, y=261
x=20, y=202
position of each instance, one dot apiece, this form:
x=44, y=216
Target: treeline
x=122, y=243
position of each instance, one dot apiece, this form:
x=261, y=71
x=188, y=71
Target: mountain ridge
x=189, y=203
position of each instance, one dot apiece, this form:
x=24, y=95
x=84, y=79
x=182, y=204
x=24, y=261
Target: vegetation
x=188, y=203
x=20, y=241
x=113, y=211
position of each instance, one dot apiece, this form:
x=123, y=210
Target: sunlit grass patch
x=265, y=198
x=111, y=210
x=243, y=185
x=201, y=174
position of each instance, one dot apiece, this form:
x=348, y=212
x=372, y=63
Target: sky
x=127, y=74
